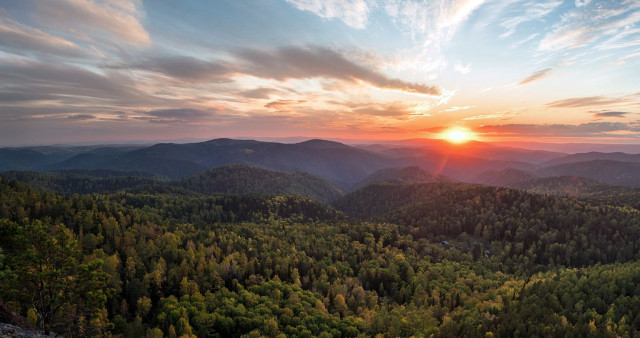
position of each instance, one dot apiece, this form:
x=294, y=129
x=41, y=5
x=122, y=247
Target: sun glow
x=457, y=135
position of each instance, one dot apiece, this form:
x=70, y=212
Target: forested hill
x=242, y=179
x=539, y=229
x=606, y=171
x=451, y=260
x=402, y=175
x=84, y=181
x=233, y=179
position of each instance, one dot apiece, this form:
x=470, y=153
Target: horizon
x=568, y=148
x=95, y=72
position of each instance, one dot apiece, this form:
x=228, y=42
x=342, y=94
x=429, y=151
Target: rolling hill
x=402, y=175
x=231, y=179
x=242, y=179
x=606, y=171
x=503, y=178
x=593, y=156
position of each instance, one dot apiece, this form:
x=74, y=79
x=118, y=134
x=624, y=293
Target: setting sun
x=457, y=136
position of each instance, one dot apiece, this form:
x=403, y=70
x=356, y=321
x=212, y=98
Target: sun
x=457, y=135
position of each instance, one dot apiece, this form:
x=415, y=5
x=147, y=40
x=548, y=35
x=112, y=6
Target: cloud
x=456, y=108
x=629, y=56
x=609, y=113
x=435, y=21
x=19, y=94
x=525, y=40
x=586, y=102
x=462, y=68
x=178, y=115
x=283, y=104
x=120, y=19
x=535, y=76
x=503, y=116
x=66, y=85
x=258, y=93
x=591, y=129
x=280, y=64
x=589, y=22
x=435, y=130
x=21, y=38
x=181, y=113
x=300, y=63
x=187, y=68
x=580, y=3
x=394, y=110
x=567, y=39
x=353, y=13
x=81, y=117
x=534, y=11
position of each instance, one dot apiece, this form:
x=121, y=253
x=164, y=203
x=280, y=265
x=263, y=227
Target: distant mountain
x=242, y=179
x=459, y=167
x=606, y=171
x=503, y=178
x=104, y=173
x=402, y=175
x=592, y=156
x=334, y=161
x=341, y=164
x=477, y=149
x=20, y=159
x=528, y=181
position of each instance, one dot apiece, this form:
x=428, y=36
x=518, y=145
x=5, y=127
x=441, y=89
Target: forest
x=437, y=259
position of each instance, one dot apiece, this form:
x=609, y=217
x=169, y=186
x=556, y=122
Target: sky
x=84, y=71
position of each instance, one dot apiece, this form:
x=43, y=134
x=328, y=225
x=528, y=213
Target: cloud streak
x=609, y=113
x=281, y=64
x=591, y=101
x=353, y=13
x=535, y=76
x=22, y=38
x=591, y=129
x=121, y=19
x=313, y=62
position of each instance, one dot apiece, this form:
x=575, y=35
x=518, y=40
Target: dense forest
x=442, y=259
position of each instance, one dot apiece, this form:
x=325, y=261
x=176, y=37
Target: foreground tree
x=67, y=296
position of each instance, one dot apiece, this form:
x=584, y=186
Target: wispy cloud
x=592, y=129
x=535, y=76
x=609, y=113
x=394, y=110
x=534, y=10
x=456, y=108
x=22, y=39
x=504, y=116
x=187, y=68
x=283, y=105
x=258, y=93
x=121, y=19
x=589, y=22
x=353, y=13
x=462, y=68
x=633, y=55
x=590, y=101
x=81, y=117
x=298, y=63
x=525, y=40
x=178, y=115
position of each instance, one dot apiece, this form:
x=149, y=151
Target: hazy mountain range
x=318, y=169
